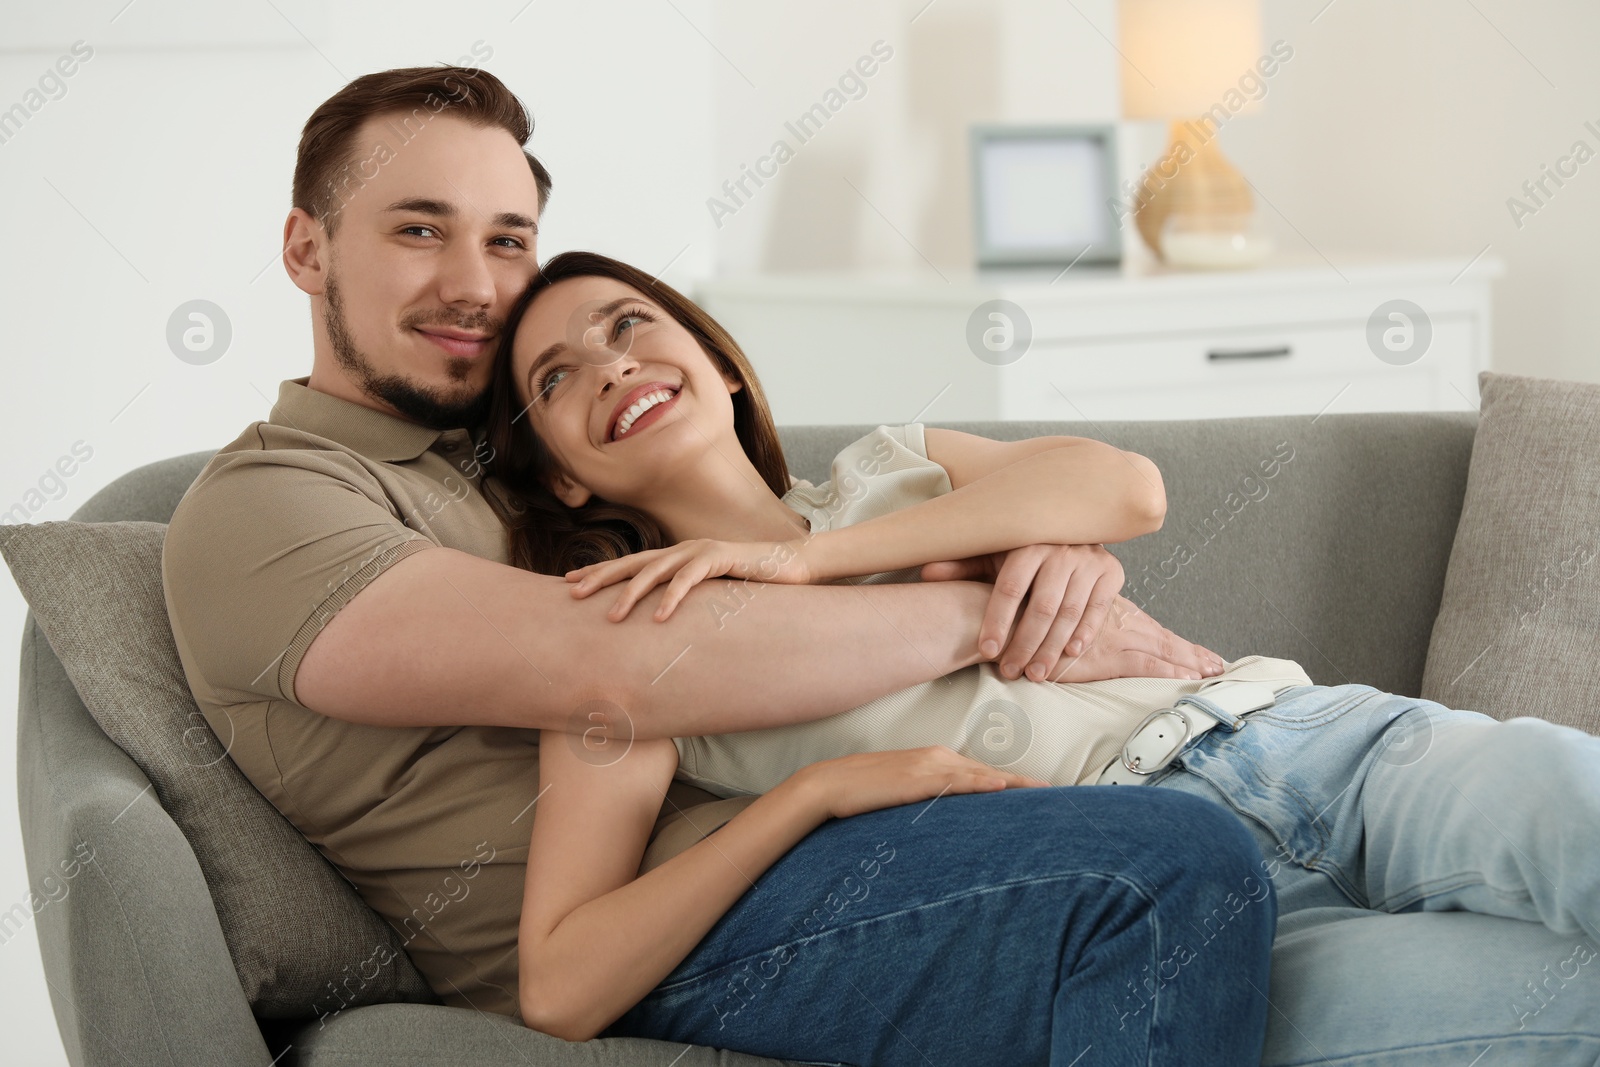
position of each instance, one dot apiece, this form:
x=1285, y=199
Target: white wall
x=162, y=175
x=903, y=144
x=1404, y=127
x=174, y=144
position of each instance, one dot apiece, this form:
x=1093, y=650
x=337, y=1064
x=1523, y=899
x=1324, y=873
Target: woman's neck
x=724, y=499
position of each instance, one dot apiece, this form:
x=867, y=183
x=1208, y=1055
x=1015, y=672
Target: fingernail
x=991, y=648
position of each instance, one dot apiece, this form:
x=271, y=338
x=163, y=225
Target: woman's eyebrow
x=603, y=311
x=544, y=357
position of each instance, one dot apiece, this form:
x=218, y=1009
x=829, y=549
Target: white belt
x=1163, y=734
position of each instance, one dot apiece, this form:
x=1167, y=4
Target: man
x=344, y=613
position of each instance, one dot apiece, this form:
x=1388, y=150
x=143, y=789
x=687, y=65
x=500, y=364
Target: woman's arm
x=595, y=937
x=1050, y=490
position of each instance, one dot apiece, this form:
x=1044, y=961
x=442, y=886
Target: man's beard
x=417, y=403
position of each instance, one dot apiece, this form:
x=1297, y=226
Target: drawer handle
x=1248, y=353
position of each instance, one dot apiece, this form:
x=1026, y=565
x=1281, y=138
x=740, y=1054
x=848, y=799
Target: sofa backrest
x=1336, y=559
x=1322, y=540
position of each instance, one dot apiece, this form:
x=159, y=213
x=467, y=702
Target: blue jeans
x=1437, y=875
x=1035, y=925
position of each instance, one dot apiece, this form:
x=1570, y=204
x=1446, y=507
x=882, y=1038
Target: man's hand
x=1070, y=590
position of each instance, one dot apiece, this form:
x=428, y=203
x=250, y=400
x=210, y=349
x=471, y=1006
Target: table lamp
x=1196, y=64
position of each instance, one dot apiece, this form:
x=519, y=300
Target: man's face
x=427, y=257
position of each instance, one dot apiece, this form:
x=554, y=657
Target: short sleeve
x=261, y=552
x=884, y=471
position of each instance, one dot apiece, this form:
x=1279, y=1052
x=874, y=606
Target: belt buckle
x=1188, y=730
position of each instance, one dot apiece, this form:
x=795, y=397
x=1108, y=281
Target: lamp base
x=1217, y=243
x=1194, y=208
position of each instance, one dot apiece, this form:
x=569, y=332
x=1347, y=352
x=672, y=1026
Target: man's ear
x=305, y=252
x=568, y=491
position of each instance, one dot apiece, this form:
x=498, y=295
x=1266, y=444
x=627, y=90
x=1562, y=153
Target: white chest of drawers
x=1296, y=337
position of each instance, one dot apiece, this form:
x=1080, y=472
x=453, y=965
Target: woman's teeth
x=640, y=406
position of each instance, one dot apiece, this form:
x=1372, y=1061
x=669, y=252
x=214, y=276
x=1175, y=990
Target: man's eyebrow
x=559, y=347
x=443, y=209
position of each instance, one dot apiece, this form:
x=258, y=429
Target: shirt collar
x=363, y=430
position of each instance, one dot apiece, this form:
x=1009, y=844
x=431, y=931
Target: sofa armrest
x=138, y=969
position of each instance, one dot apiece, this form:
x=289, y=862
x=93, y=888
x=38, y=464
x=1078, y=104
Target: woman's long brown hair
x=547, y=536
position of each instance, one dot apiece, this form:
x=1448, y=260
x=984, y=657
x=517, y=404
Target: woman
x=632, y=466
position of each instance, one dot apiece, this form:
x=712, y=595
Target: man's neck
x=334, y=383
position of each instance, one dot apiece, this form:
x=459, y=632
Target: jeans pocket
x=1297, y=769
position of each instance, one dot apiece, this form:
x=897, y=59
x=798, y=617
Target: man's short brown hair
x=327, y=174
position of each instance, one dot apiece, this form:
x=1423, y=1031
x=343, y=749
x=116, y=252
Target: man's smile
x=466, y=343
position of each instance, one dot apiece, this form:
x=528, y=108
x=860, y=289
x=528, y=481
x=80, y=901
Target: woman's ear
x=734, y=384
x=568, y=491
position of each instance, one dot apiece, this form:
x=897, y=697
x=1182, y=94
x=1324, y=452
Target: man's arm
x=289, y=575
x=444, y=637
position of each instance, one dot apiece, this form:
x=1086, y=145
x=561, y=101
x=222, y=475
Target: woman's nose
x=617, y=374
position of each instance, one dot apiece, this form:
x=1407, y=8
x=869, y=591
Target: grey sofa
x=1336, y=561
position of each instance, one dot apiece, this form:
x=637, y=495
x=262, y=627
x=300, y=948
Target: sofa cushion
x=293, y=924
x=1520, y=620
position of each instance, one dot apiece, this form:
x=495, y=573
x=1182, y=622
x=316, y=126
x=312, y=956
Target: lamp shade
x=1180, y=57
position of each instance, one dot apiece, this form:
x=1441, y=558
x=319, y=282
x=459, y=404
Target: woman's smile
x=637, y=412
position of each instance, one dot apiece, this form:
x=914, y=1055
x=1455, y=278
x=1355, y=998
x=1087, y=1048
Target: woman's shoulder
x=880, y=471
x=881, y=442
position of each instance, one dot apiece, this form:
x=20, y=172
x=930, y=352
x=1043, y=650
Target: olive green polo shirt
x=282, y=528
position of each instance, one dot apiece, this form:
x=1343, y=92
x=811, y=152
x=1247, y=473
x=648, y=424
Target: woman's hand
x=688, y=563
x=1133, y=645
x=1069, y=588
x=868, y=781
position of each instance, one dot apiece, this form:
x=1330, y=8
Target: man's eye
x=515, y=243
x=409, y=229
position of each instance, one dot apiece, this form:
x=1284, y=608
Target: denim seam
x=1310, y=863
x=1424, y=890
x=1322, y=718
x=1312, y=818
x=965, y=895
x=1467, y=1044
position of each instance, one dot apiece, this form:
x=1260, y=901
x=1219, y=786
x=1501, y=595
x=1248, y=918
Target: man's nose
x=466, y=278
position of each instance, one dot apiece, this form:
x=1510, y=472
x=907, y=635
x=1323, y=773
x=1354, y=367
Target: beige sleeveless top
x=1064, y=733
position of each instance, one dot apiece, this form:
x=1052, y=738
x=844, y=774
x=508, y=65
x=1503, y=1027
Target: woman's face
x=591, y=351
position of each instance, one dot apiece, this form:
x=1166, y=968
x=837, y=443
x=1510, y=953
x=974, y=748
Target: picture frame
x=1040, y=194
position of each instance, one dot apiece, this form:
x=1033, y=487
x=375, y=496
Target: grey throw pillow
x=292, y=922
x=1520, y=620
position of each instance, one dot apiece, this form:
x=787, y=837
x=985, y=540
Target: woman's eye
x=549, y=380
x=628, y=321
